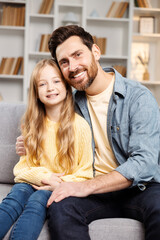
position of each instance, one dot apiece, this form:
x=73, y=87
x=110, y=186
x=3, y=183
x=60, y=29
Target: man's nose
x=73, y=66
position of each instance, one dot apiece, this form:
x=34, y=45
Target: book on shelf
x=11, y=66
x=46, y=6
x=18, y=65
x=2, y=65
x=4, y=15
x=146, y=25
x=44, y=43
x=117, y=9
x=112, y=10
x=121, y=69
x=143, y=3
x=122, y=9
x=8, y=65
x=101, y=42
x=13, y=15
x=22, y=67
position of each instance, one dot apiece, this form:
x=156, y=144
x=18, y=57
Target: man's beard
x=92, y=73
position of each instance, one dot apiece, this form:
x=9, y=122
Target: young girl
x=58, y=146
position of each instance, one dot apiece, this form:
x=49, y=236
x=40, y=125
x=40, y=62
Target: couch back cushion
x=10, y=116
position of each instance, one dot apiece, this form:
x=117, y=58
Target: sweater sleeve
x=84, y=168
x=30, y=174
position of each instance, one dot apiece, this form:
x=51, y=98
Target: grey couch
x=109, y=229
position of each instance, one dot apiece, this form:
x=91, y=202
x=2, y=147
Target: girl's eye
x=42, y=84
x=57, y=81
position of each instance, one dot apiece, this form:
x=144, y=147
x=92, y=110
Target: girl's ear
x=96, y=51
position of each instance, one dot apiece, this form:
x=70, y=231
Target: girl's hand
x=51, y=183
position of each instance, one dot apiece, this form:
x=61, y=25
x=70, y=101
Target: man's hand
x=20, y=149
x=51, y=183
x=110, y=182
x=67, y=189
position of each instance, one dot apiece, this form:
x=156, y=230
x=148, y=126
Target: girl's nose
x=50, y=87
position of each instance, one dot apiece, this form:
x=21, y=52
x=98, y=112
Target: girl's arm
x=31, y=174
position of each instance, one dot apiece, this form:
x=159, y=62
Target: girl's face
x=51, y=88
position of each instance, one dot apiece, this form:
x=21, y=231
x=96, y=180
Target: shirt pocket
x=120, y=136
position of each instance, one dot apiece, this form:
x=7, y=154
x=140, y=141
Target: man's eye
x=63, y=63
x=78, y=54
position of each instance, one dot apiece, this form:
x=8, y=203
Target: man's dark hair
x=63, y=33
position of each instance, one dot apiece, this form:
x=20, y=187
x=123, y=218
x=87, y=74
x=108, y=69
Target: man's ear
x=96, y=51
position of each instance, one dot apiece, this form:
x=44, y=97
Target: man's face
x=77, y=63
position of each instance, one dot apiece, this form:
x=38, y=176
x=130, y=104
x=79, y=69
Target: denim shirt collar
x=119, y=86
x=118, y=91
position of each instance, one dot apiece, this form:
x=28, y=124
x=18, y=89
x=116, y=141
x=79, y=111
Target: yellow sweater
x=83, y=157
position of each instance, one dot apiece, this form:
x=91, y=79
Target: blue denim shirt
x=133, y=128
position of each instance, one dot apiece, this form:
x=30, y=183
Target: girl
x=58, y=147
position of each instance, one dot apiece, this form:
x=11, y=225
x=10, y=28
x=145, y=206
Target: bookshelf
x=115, y=29
x=149, y=43
x=116, y=36
x=12, y=47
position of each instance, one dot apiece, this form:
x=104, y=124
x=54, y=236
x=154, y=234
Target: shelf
x=12, y=27
x=150, y=82
x=146, y=11
x=107, y=19
x=37, y=15
x=5, y=76
x=39, y=54
x=145, y=36
x=114, y=57
x=70, y=5
x=152, y=35
x=12, y=1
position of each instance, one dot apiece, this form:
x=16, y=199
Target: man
x=124, y=118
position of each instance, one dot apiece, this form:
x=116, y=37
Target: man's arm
x=110, y=182
x=20, y=149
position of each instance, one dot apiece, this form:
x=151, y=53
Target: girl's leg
x=13, y=205
x=30, y=223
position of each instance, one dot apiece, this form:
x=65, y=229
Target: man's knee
x=67, y=214
x=151, y=201
x=59, y=212
x=64, y=206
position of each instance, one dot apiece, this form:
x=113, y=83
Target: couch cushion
x=8, y=159
x=10, y=115
x=4, y=190
x=116, y=228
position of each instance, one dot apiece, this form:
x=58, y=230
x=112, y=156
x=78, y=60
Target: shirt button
x=117, y=128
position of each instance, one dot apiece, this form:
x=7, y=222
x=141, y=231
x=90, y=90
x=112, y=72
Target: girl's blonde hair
x=33, y=123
